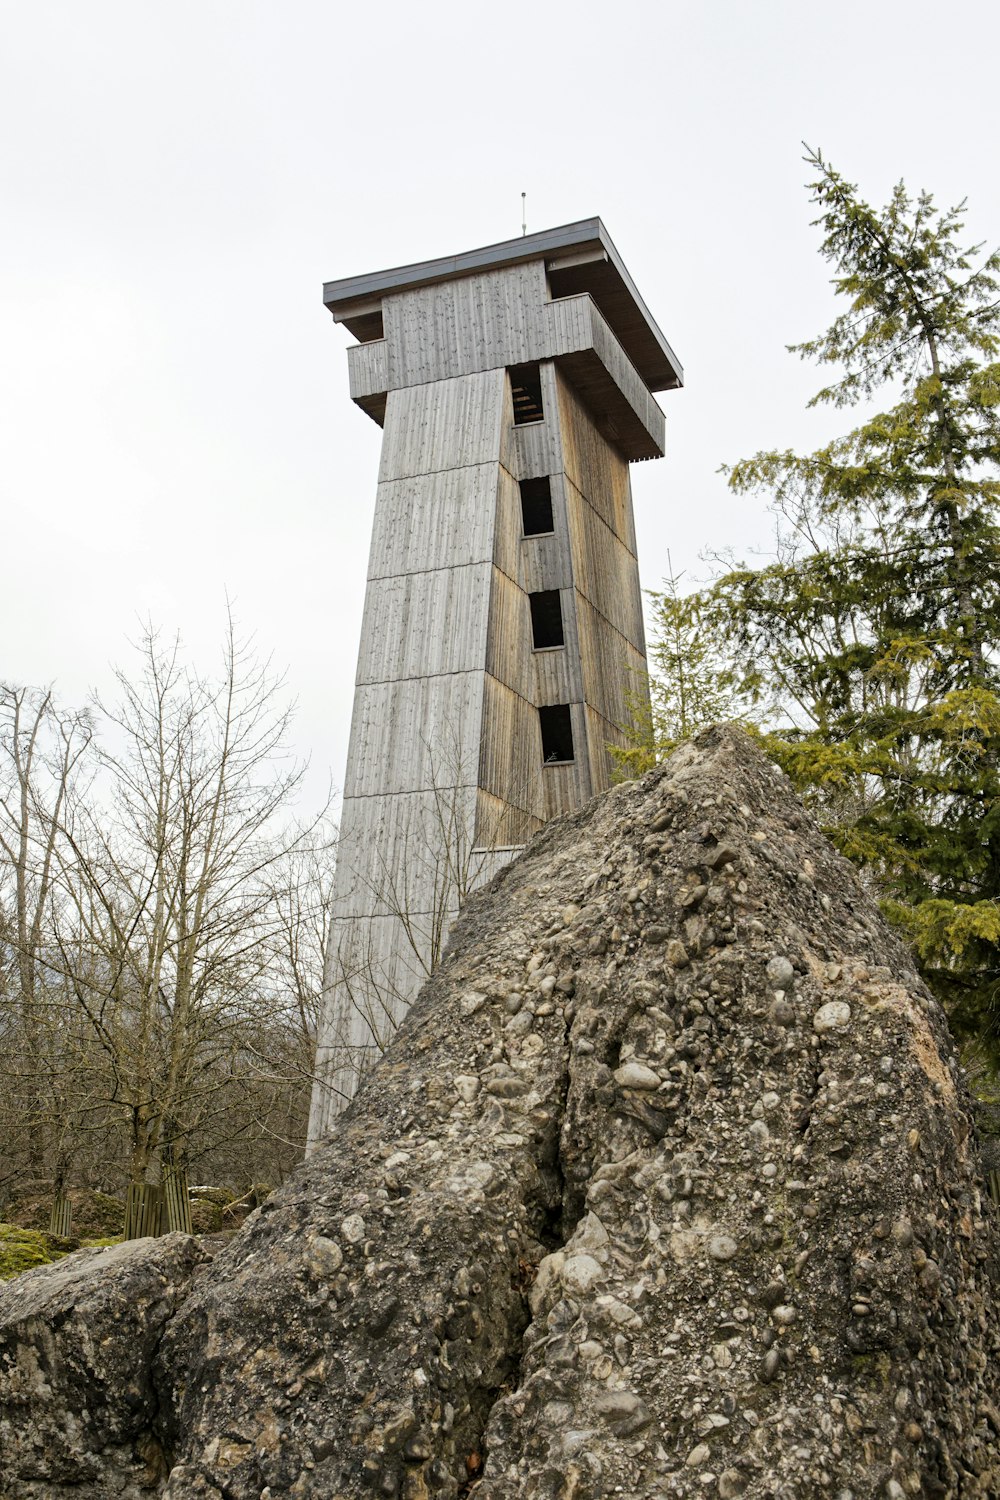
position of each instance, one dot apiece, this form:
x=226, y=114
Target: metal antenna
x=524, y=214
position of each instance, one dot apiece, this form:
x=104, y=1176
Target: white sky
x=177, y=181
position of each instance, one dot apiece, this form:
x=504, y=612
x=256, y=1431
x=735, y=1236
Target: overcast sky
x=178, y=180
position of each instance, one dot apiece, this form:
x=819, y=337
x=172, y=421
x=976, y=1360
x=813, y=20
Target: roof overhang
x=579, y=258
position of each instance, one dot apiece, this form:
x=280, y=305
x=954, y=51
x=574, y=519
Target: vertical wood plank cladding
x=600, y=733
x=368, y=369
x=374, y=971
x=501, y=829
x=509, y=525
x=612, y=668
x=475, y=323
x=510, y=762
x=536, y=449
x=595, y=467
x=604, y=570
x=423, y=624
x=437, y=520
x=508, y=649
x=543, y=563
x=446, y=425
x=400, y=732
x=401, y=850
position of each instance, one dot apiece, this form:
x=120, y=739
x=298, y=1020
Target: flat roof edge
x=339, y=295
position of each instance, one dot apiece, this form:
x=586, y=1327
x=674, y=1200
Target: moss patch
x=23, y=1249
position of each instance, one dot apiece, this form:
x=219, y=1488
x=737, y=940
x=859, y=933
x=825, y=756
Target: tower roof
x=579, y=258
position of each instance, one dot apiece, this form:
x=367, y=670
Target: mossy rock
x=23, y=1249
x=206, y=1216
x=219, y=1196
x=97, y=1215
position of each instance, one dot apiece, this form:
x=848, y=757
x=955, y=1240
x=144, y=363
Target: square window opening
x=526, y=390
x=557, y=733
x=546, y=619
x=536, y=506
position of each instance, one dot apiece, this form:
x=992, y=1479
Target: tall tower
x=503, y=617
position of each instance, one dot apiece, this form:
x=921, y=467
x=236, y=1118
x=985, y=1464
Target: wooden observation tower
x=503, y=616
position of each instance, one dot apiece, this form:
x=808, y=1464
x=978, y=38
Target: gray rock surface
x=77, y=1340
x=665, y=1188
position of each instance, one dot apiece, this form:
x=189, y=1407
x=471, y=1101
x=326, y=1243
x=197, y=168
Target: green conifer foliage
x=869, y=647
x=689, y=684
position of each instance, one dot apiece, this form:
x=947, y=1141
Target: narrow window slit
x=536, y=506
x=526, y=390
x=557, y=733
x=546, y=619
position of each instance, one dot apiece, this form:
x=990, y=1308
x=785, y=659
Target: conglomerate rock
x=666, y=1187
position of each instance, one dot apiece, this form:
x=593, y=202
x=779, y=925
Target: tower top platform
x=578, y=258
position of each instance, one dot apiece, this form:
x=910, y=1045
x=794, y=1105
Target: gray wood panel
x=603, y=568
x=536, y=449
x=460, y=327
x=424, y=624
x=402, y=851
x=401, y=732
x=368, y=369
x=439, y=520
x=446, y=425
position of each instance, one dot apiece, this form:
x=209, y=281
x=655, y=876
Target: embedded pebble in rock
x=722, y=1247
x=636, y=1075
x=467, y=1086
x=581, y=1273
x=832, y=1015
x=680, y=1243
x=353, y=1229
x=780, y=972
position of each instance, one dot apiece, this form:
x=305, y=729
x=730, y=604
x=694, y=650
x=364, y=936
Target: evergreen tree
x=869, y=646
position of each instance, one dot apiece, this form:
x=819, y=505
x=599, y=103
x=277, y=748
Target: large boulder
x=666, y=1187
x=77, y=1341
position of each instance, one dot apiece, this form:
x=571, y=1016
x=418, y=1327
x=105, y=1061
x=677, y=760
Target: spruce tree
x=870, y=645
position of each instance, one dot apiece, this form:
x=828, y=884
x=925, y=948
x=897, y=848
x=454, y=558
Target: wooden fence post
x=176, y=1201
x=61, y=1217
x=143, y=1210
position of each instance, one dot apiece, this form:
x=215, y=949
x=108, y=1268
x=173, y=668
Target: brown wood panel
x=600, y=733
x=510, y=763
x=595, y=466
x=501, y=827
x=508, y=645
x=612, y=668
x=603, y=569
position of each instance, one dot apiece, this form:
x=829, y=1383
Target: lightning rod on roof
x=524, y=214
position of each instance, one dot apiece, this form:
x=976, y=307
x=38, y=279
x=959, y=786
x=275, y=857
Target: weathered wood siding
x=483, y=322
x=445, y=772
x=446, y=425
